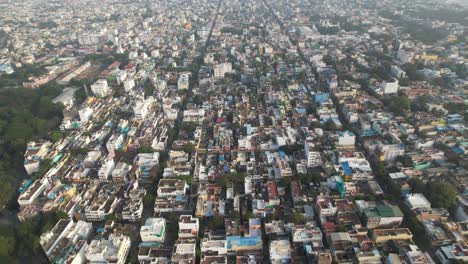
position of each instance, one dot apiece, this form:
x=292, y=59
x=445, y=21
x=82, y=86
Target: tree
x=398, y=104
x=406, y=160
x=148, y=200
x=149, y=88
x=111, y=217
x=7, y=191
x=189, y=148
x=215, y=223
x=7, y=242
x=145, y=149
x=441, y=194
x=330, y=125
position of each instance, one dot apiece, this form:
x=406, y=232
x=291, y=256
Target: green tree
x=441, y=194
x=148, y=200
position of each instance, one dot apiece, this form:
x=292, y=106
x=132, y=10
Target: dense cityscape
x=241, y=131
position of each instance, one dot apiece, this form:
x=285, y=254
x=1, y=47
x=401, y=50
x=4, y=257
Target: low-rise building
x=154, y=230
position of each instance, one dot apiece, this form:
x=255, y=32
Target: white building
x=68, y=234
x=85, y=114
x=221, y=69
x=132, y=210
x=188, y=226
x=172, y=188
x=143, y=108
x=35, y=152
x=92, y=158
x=416, y=201
x=313, y=157
x=391, y=152
x=129, y=84
x=154, y=230
x=106, y=170
x=389, y=87
x=155, y=53
x=346, y=139
x=112, y=250
x=217, y=247
x=100, y=88
x=120, y=172
x=115, y=142
x=34, y=190
x=194, y=115
x=280, y=251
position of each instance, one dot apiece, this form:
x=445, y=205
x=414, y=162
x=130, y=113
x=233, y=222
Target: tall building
x=221, y=69
x=390, y=87
x=100, y=88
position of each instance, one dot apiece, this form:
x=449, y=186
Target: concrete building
x=381, y=236
x=378, y=215
x=112, y=250
x=313, y=157
x=154, y=230
x=100, y=88
x=129, y=84
x=346, y=139
x=34, y=191
x=183, y=82
x=221, y=69
x=389, y=87
x=188, y=227
x=417, y=201
x=280, y=252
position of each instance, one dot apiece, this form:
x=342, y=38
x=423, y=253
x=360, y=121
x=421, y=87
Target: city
x=244, y=131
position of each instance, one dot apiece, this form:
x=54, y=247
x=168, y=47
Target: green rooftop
x=383, y=211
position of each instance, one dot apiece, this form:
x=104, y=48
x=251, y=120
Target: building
x=112, y=250
x=417, y=201
x=378, y=215
x=85, y=114
x=142, y=109
x=119, y=174
x=389, y=87
x=381, y=236
x=145, y=162
x=66, y=241
x=244, y=244
x=172, y=187
x=34, y=191
x=188, y=227
x=346, y=139
x=221, y=69
x=35, y=152
x=313, y=157
x=116, y=141
x=184, y=253
x=194, y=115
x=132, y=210
x=280, y=251
x=106, y=170
x=100, y=88
x=450, y=254
x=391, y=152
x=92, y=158
x=183, y=82
x=129, y=84
x=154, y=230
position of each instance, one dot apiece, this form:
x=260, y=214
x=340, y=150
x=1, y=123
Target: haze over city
x=243, y=131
